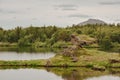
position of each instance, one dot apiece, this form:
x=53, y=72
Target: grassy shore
x=93, y=59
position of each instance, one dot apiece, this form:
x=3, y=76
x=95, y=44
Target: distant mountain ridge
x=92, y=21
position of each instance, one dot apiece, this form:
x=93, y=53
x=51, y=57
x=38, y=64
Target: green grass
x=7, y=44
x=91, y=59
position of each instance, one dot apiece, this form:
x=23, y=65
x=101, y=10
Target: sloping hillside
x=92, y=21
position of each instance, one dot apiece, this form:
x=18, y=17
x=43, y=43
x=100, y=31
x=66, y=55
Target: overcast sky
x=56, y=12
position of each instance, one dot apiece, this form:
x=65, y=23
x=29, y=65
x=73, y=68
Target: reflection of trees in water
x=71, y=73
x=79, y=73
x=29, y=49
x=74, y=75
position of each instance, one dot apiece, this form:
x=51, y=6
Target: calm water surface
x=106, y=77
x=50, y=73
x=27, y=74
x=25, y=55
x=54, y=74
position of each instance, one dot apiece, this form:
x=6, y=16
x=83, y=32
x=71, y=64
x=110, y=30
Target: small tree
x=25, y=41
x=106, y=44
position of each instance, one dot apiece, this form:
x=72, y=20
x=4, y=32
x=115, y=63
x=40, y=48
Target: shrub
x=106, y=44
x=60, y=44
x=38, y=44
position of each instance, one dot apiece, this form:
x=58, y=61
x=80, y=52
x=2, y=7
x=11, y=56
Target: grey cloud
x=14, y=17
x=117, y=19
x=110, y=3
x=79, y=15
x=7, y=11
x=66, y=7
x=1, y=10
x=69, y=9
x=11, y=12
x=28, y=8
x=34, y=18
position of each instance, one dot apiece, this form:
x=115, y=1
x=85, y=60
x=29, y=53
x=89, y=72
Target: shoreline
x=86, y=61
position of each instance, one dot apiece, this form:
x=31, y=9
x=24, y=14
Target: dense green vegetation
x=108, y=36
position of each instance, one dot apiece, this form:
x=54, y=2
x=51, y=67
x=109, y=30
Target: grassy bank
x=92, y=59
x=7, y=44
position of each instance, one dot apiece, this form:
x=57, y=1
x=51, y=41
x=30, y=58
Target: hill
x=92, y=21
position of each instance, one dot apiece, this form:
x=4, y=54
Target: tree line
x=107, y=36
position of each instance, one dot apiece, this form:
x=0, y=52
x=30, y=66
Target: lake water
x=106, y=77
x=27, y=74
x=54, y=74
x=9, y=73
x=25, y=54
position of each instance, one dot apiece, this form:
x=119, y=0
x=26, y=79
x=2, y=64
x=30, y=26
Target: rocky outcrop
x=98, y=68
x=114, y=60
x=70, y=51
x=77, y=45
x=80, y=41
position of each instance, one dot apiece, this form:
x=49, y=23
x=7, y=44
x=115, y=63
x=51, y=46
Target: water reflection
x=8, y=73
x=25, y=56
x=56, y=74
x=28, y=49
x=25, y=53
x=27, y=74
x=107, y=77
x=77, y=74
x=82, y=73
